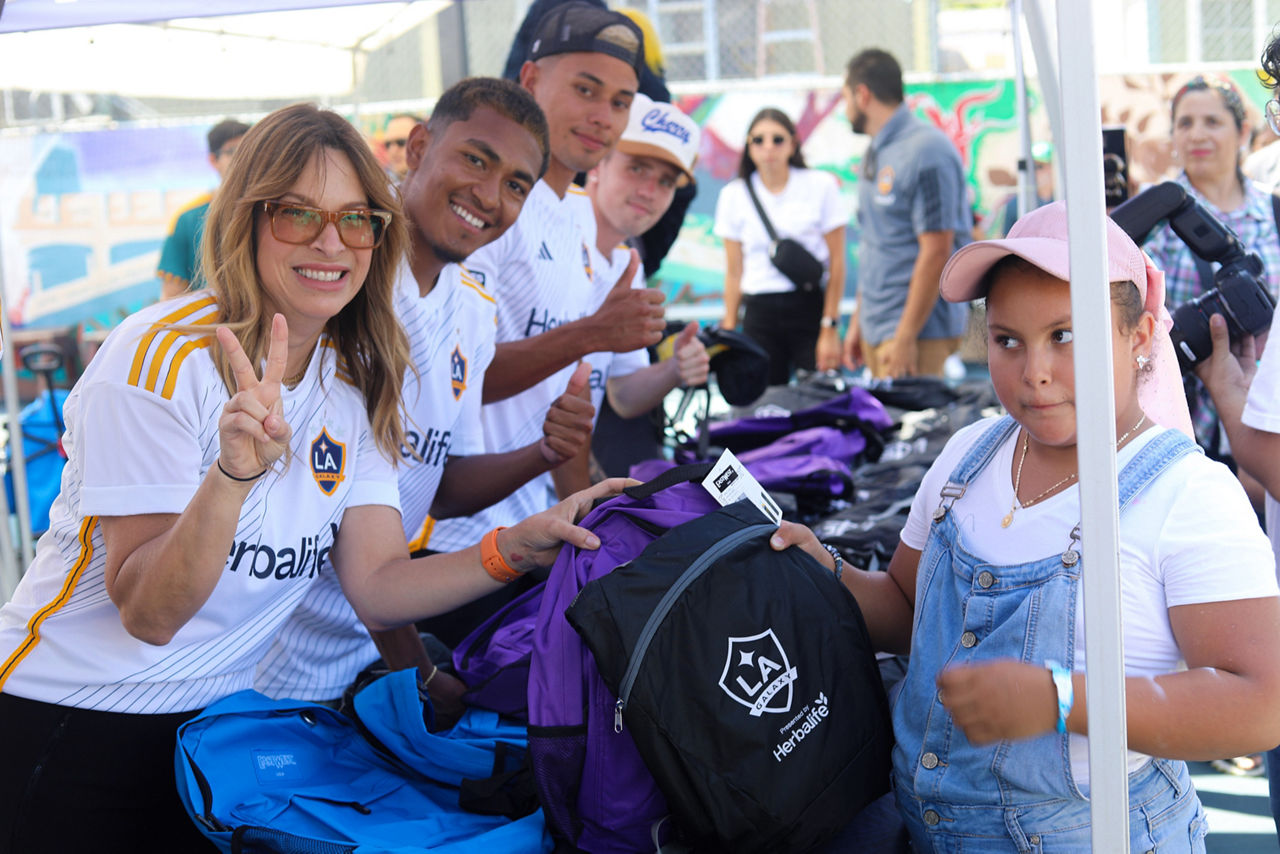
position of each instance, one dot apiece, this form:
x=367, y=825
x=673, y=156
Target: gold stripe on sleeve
x=419, y=542
x=64, y=595
x=185, y=350
x=140, y=356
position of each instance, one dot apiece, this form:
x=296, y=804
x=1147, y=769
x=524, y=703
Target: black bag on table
x=747, y=680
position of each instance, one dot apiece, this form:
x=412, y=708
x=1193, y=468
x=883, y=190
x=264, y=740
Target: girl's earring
x=1144, y=362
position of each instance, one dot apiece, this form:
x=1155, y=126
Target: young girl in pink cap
x=991, y=719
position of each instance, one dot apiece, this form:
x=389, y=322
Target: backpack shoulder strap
x=691, y=473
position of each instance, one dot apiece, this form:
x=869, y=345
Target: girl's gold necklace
x=1017, y=477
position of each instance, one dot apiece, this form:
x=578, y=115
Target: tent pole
x=1026, y=192
x=1047, y=76
x=17, y=462
x=1095, y=430
x=10, y=572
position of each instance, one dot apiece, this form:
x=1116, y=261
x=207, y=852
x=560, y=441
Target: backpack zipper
x=664, y=607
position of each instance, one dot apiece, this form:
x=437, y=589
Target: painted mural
x=83, y=213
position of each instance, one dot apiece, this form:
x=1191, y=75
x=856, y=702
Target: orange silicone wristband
x=493, y=561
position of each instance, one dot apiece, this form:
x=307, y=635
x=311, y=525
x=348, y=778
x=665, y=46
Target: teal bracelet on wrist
x=1066, y=692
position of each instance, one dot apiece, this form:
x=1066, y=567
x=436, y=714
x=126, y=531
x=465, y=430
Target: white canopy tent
x=30, y=15
x=1073, y=92
x=285, y=48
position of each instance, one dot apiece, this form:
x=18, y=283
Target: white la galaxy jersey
x=608, y=365
x=324, y=646
x=451, y=340
x=540, y=274
x=142, y=431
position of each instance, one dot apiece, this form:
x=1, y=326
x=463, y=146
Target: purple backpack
x=596, y=792
x=856, y=412
x=493, y=660
x=818, y=468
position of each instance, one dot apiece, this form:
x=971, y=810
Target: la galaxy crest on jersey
x=457, y=372
x=328, y=461
x=586, y=262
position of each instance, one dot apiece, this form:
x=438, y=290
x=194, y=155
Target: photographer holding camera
x=1246, y=394
x=1209, y=127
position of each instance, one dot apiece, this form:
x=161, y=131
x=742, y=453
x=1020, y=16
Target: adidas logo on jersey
x=263, y=561
x=544, y=253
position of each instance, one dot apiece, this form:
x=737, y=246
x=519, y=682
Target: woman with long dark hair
x=799, y=328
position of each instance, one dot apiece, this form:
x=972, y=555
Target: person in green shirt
x=180, y=255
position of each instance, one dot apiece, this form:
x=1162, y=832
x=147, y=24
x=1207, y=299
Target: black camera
x=1239, y=292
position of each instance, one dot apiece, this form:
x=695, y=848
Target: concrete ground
x=1239, y=812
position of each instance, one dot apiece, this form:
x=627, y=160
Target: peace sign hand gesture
x=252, y=431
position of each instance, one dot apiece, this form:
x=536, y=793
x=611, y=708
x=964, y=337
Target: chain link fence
x=706, y=44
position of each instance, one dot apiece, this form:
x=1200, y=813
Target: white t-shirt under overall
x=324, y=646
x=1189, y=537
x=142, y=431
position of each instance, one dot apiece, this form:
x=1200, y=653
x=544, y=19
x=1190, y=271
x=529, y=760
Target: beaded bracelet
x=839, y=559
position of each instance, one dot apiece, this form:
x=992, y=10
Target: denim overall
x=1014, y=795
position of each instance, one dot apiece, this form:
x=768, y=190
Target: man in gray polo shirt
x=914, y=211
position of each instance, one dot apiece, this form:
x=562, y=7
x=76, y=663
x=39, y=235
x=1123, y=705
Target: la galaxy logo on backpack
x=328, y=461
x=457, y=372
x=756, y=672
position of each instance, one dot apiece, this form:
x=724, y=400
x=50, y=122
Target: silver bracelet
x=839, y=559
x=424, y=683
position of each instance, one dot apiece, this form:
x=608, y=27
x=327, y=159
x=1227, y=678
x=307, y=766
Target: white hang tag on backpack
x=730, y=481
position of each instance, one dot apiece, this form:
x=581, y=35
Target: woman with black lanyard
x=781, y=216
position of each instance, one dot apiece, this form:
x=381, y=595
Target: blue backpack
x=263, y=775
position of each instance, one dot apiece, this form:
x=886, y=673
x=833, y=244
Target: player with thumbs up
x=630, y=190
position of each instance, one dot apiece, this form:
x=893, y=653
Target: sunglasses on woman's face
x=360, y=228
x=776, y=139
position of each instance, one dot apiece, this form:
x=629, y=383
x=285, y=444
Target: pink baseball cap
x=1040, y=239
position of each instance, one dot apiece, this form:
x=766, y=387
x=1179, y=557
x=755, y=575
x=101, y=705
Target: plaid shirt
x=1254, y=223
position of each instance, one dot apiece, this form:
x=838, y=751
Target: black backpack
x=747, y=680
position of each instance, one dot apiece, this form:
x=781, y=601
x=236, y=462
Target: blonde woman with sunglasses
x=224, y=449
